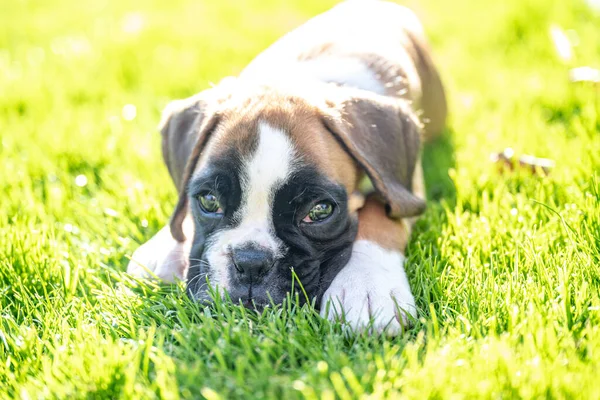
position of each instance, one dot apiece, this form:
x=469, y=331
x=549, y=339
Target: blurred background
x=506, y=261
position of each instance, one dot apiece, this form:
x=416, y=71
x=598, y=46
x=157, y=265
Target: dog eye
x=210, y=204
x=319, y=212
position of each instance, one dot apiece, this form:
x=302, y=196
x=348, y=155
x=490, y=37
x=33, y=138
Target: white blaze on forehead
x=264, y=172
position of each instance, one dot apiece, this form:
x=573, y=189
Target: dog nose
x=252, y=261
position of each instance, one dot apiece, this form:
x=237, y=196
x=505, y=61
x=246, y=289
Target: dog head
x=270, y=175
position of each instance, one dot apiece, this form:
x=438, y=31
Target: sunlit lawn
x=505, y=267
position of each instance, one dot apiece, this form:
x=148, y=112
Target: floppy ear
x=383, y=135
x=185, y=127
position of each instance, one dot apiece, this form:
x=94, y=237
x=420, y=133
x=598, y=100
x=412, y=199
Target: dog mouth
x=252, y=291
x=252, y=299
x=239, y=296
x=252, y=294
x=248, y=301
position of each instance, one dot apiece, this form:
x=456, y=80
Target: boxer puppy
x=268, y=167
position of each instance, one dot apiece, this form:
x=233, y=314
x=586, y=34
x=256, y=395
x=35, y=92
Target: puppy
x=268, y=167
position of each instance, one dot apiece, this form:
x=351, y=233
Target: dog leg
x=372, y=291
x=162, y=256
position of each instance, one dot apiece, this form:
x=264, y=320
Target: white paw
x=371, y=292
x=161, y=257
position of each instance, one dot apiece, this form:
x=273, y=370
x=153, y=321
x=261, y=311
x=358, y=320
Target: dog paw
x=371, y=293
x=161, y=257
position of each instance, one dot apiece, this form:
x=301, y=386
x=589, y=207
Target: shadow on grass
x=437, y=160
x=426, y=263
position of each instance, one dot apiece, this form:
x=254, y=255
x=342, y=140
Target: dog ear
x=383, y=135
x=186, y=126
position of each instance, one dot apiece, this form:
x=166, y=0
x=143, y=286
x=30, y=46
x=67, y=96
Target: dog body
x=268, y=167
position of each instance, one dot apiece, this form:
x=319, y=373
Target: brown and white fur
x=347, y=96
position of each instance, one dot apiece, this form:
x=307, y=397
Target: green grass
x=505, y=267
